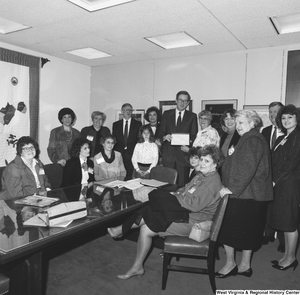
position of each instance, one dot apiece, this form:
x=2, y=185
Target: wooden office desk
x=21, y=248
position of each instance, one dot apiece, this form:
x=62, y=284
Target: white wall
x=62, y=84
x=253, y=77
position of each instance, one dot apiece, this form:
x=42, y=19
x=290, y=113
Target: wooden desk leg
x=26, y=277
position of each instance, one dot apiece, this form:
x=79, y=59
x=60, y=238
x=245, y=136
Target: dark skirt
x=142, y=167
x=284, y=211
x=162, y=210
x=243, y=224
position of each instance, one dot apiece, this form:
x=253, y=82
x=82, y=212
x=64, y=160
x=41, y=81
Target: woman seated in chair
x=175, y=213
x=25, y=175
x=78, y=170
x=108, y=164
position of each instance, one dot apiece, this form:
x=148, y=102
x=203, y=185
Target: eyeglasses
x=128, y=110
x=183, y=101
x=28, y=149
x=203, y=119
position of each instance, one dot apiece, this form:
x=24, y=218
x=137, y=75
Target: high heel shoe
x=112, y=234
x=233, y=272
x=294, y=264
x=247, y=273
x=127, y=277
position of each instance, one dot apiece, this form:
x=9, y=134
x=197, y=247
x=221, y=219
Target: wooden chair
x=184, y=246
x=4, y=284
x=164, y=174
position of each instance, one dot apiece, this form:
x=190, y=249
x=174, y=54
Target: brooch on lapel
x=90, y=170
x=284, y=140
x=231, y=150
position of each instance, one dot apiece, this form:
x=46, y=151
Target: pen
x=42, y=220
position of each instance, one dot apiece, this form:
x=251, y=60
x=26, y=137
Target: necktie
x=178, y=121
x=126, y=133
x=273, y=138
x=84, y=166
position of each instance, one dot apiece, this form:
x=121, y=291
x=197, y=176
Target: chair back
x=54, y=173
x=218, y=218
x=164, y=174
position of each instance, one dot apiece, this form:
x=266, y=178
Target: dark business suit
x=157, y=131
x=132, y=139
x=270, y=232
x=72, y=176
x=266, y=132
x=172, y=156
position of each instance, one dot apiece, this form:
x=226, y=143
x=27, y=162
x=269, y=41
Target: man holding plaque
x=178, y=128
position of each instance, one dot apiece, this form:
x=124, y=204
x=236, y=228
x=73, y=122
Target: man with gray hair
x=126, y=132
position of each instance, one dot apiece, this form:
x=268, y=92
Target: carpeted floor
x=92, y=268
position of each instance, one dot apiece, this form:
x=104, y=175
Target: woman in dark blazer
x=247, y=177
x=78, y=169
x=231, y=137
x=284, y=211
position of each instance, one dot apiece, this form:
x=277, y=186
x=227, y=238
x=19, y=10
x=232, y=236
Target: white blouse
x=145, y=153
x=209, y=135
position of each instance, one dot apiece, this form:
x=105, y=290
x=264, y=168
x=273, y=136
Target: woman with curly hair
x=153, y=116
x=78, y=169
x=61, y=138
x=25, y=175
x=175, y=213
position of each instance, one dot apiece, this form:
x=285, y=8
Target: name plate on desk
x=180, y=139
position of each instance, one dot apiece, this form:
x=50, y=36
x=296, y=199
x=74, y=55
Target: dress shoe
x=128, y=276
x=112, y=233
x=274, y=262
x=294, y=264
x=247, y=273
x=233, y=272
x=281, y=248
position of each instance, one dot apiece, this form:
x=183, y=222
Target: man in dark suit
x=126, y=132
x=178, y=120
x=271, y=133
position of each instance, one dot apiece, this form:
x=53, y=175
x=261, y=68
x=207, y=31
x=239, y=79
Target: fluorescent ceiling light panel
x=8, y=26
x=174, y=40
x=92, y=5
x=89, y=53
x=287, y=23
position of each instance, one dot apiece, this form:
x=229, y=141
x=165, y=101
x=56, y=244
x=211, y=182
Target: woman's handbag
x=200, y=231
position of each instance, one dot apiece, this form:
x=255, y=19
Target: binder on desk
x=59, y=214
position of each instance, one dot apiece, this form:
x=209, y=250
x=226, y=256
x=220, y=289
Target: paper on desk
x=130, y=184
x=38, y=221
x=180, y=139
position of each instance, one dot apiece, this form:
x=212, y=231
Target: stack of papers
x=37, y=220
x=135, y=183
x=130, y=184
x=36, y=201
